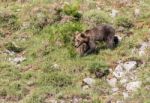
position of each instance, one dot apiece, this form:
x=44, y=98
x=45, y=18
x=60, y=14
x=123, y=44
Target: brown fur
x=99, y=33
x=82, y=49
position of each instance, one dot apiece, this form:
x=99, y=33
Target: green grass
x=52, y=45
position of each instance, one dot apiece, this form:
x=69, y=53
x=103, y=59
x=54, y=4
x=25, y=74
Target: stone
x=51, y=101
x=89, y=81
x=17, y=60
x=123, y=81
x=85, y=87
x=133, y=86
x=11, y=53
x=144, y=45
x=130, y=65
x=137, y=12
x=119, y=101
x=56, y=66
x=114, y=13
x=114, y=90
x=125, y=95
x=119, y=72
x=112, y=82
x=75, y=100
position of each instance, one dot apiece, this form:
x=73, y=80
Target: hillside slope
x=38, y=63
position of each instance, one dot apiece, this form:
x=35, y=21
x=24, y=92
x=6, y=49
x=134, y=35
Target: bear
x=103, y=32
x=82, y=49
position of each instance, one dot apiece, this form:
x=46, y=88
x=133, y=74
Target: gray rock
x=114, y=90
x=17, y=60
x=133, y=86
x=85, y=87
x=56, y=66
x=123, y=81
x=114, y=13
x=125, y=95
x=144, y=45
x=11, y=53
x=130, y=65
x=51, y=101
x=119, y=71
x=119, y=101
x=89, y=81
x=112, y=82
x=137, y=12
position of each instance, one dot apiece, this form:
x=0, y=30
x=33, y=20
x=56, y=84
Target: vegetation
x=42, y=31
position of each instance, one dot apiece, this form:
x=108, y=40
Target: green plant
x=55, y=79
x=124, y=22
x=71, y=52
x=13, y=47
x=96, y=16
x=63, y=32
x=72, y=10
x=9, y=21
x=94, y=67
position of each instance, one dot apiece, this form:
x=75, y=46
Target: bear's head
x=79, y=39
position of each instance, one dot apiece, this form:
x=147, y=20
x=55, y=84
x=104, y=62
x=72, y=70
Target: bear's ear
x=83, y=35
x=87, y=31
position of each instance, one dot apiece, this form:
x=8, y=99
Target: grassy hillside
x=38, y=63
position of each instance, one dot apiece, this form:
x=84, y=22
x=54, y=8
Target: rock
x=115, y=90
x=133, y=86
x=17, y=60
x=119, y=72
x=85, y=87
x=137, y=12
x=143, y=47
x=11, y=53
x=112, y=82
x=141, y=52
x=56, y=66
x=119, y=101
x=61, y=101
x=123, y=81
x=50, y=101
x=114, y=13
x=125, y=95
x=130, y=65
x=89, y=81
x=25, y=25
x=75, y=100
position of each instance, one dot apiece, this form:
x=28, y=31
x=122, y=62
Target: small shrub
x=145, y=16
x=2, y=34
x=13, y=47
x=63, y=32
x=3, y=92
x=9, y=21
x=71, y=52
x=72, y=10
x=124, y=22
x=55, y=79
x=96, y=16
x=94, y=67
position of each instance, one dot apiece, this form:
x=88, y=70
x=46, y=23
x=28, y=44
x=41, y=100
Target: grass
x=52, y=66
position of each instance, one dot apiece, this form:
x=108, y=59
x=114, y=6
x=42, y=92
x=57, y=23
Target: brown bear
x=82, y=49
x=102, y=32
